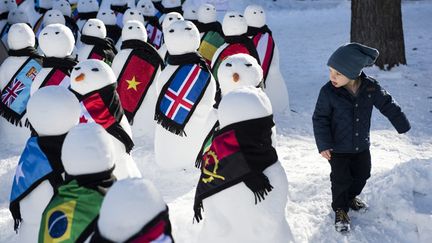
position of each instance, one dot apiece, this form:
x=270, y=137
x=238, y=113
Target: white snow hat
x=87, y=6
x=20, y=36
x=53, y=16
x=169, y=19
x=90, y=75
x=95, y=28
x=237, y=71
x=182, y=37
x=87, y=149
x=255, y=16
x=133, y=14
x=234, y=24
x=128, y=205
x=243, y=104
x=190, y=12
x=134, y=30
x=207, y=13
x=56, y=40
x=53, y=110
x=107, y=16
x=146, y=7
x=64, y=7
x=171, y=3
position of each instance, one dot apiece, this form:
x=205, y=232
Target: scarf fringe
x=198, y=207
x=10, y=117
x=260, y=185
x=169, y=125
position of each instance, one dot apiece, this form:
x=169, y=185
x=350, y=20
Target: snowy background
x=399, y=192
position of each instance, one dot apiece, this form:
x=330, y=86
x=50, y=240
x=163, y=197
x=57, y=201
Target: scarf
x=70, y=22
x=178, y=9
x=16, y=93
x=103, y=107
x=119, y=8
x=264, y=44
x=136, y=76
x=210, y=43
x=182, y=92
x=113, y=32
x=87, y=16
x=155, y=35
x=213, y=26
x=158, y=229
x=153, y=20
x=239, y=152
x=61, y=70
x=158, y=6
x=40, y=161
x=103, y=49
x=4, y=15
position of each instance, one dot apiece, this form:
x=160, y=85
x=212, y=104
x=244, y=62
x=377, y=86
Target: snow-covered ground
x=399, y=192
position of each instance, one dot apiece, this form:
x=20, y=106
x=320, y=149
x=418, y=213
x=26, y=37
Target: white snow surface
x=398, y=193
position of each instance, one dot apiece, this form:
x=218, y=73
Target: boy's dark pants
x=348, y=176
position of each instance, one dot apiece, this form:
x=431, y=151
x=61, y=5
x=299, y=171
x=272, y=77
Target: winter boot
x=342, y=221
x=358, y=205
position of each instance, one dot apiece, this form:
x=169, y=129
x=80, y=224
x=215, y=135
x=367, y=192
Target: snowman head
x=255, y=16
x=87, y=149
x=124, y=203
x=237, y=71
x=107, y=16
x=146, y=7
x=64, y=7
x=87, y=6
x=17, y=16
x=53, y=110
x=56, y=40
x=171, y=3
x=207, y=13
x=190, y=12
x=95, y=28
x=45, y=4
x=169, y=19
x=118, y=2
x=134, y=30
x=133, y=14
x=182, y=37
x=7, y=5
x=53, y=16
x=91, y=75
x=20, y=36
x=234, y=24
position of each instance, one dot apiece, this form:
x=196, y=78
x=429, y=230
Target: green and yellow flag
x=210, y=42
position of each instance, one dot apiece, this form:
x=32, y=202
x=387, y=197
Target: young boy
x=341, y=123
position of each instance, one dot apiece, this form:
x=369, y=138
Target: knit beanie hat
x=351, y=58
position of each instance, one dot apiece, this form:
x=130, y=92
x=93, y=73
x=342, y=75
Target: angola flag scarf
x=239, y=152
x=157, y=230
x=182, y=92
x=264, y=44
x=16, y=93
x=154, y=31
x=40, y=161
x=103, y=107
x=72, y=214
x=113, y=32
x=137, y=75
x=103, y=49
x=61, y=69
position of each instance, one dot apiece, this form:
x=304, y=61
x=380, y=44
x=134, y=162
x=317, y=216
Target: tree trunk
x=378, y=24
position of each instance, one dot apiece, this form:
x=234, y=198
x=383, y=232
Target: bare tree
x=378, y=23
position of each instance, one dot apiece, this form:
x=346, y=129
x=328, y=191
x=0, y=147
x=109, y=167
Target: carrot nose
x=236, y=77
x=80, y=77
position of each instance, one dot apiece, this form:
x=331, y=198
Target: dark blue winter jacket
x=341, y=121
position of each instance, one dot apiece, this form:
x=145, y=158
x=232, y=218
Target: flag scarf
x=182, y=92
x=154, y=33
x=74, y=9
x=103, y=49
x=263, y=41
x=61, y=69
x=210, y=42
x=137, y=75
x=103, y=107
x=15, y=95
x=158, y=230
x=113, y=32
x=239, y=152
x=72, y=213
x=40, y=161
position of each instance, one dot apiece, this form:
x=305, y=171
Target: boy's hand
x=326, y=154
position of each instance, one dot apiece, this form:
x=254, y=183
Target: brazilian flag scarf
x=137, y=75
x=103, y=107
x=103, y=48
x=157, y=230
x=264, y=44
x=16, y=93
x=72, y=213
x=40, y=161
x=239, y=152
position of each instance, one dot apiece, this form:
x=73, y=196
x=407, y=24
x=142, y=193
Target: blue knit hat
x=351, y=58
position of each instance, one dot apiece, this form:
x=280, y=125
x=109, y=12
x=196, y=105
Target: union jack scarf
x=103, y=107
x=154, y=31
x=15, y=95
x=103, y=49
x=264, y=43
x=61, y=70
x=182, y=92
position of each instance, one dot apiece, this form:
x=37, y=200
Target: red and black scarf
x=264, y=44
x=61, y=70
x=137, y=75
x=239, y=152
x=103, y=107
x=103, y=49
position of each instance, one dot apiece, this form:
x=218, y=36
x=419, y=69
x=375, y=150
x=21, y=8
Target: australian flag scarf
x=239, y=152
x=264, y=44
x=40, y=161
x=16, y=93
x=103, y=107
x=103, y=49
x=182, y=92
x=137, y=75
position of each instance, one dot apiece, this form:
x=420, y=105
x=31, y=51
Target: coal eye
x=138, y=27
x=193, y=11
x=254, y=12
x=49, y=15
x=262, y=12
x=77, y=68
x=45, y=33
x=241, y=16
x=61, y=5
x=57, y=32
x=171, y=31
x=132, y=13
x=228, y=65
x=208, y=9
x=130, y=27
x=188, y=28
x=232, y=16
x=95, y=69
x=103, y=13
x=142, y=6
x=99, y=27
x=248, y=65
x=90, y=25
x=170, y=18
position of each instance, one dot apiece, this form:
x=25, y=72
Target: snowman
x=124, y=218
x=274, y=83
x=94, y=44
x=87, y=9
x=108, y=17
x=57, y=42
x=154, y=29
x=52, y=112
x=41, y=7
x=94, y=83
x=65, y=8
x=169, y=19
x=190, y=13
x=130, y=14
x=15, y=16
x=242, y=164
x=137, y=67
x=88, y=160
x=53, y=16
x=186, y=91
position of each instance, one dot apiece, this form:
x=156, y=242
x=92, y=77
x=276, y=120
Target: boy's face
x=338, y=79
